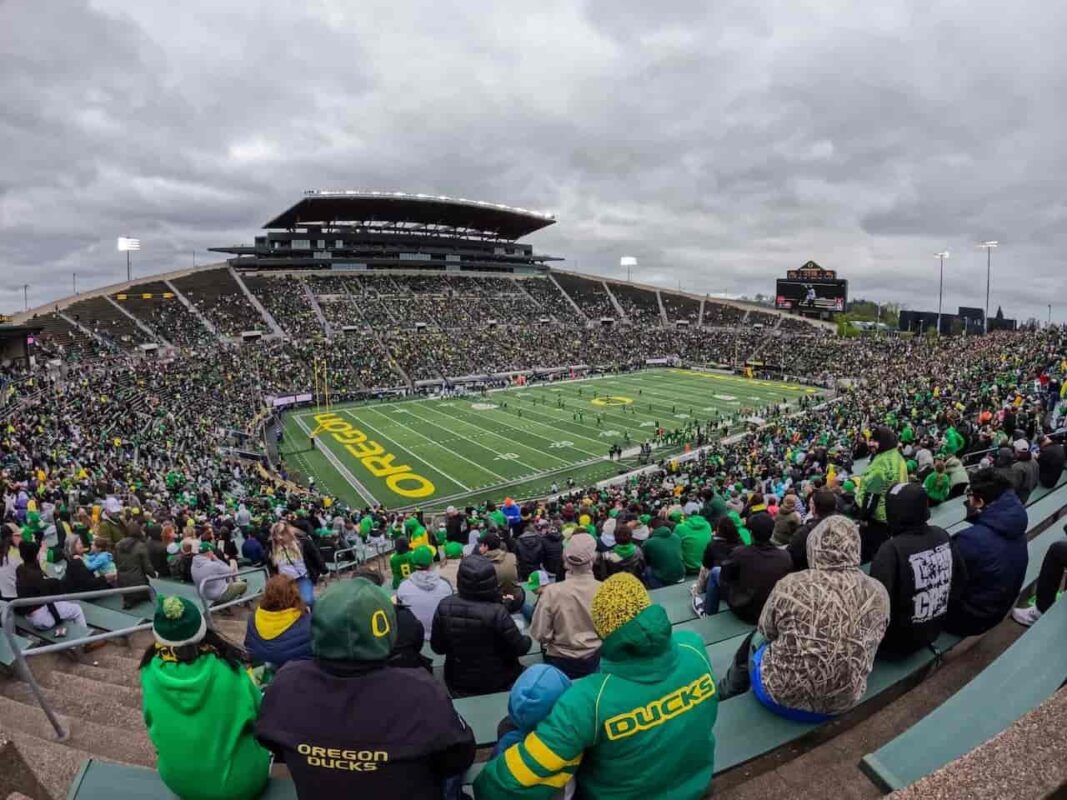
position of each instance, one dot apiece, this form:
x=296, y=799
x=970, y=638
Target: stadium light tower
x=988, y=247
x=629, y=262
x=127, y=245
x=940, y=287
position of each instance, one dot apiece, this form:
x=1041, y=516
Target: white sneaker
x=1026, y=616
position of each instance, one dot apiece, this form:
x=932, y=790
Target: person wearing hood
x=280, y=630
x=507, y=570
x=958, y=477
x=474, y=538
x=552, y=551
x=750, y=572
x=624, y=556
x=641, y=531
x=663, y=554
x=653, y=703
x=200, y=708
x=424, y=589
x=348, y=723
x=1050, y=461
x=561, y=620
x=529, y=552
x=916, y=567
x=821, y=628
x=994, y=555
x=531, y=699
x=475, y=633
x=1026, y=468
x=786, y=522
x=133, y=564
x=695, y=533
x=823, y=505
x=714, y=506
x=887, y=468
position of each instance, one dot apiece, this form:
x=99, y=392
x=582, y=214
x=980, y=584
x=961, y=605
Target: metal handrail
x=208, y=606
x=7, y=623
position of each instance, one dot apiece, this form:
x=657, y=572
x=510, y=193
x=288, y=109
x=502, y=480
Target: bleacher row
x=304, y=304
x=1022, y=677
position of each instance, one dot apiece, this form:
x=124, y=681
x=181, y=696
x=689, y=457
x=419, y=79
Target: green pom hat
x=177, y=622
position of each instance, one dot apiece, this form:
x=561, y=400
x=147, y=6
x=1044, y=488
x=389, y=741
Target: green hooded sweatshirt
x=695, y=534
x=641, y=727
x=885, y=471
x=200, y=717
x=663, y=554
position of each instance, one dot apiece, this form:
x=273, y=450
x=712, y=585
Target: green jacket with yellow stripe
x=641, y=727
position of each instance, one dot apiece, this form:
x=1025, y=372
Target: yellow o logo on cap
x=379, y=624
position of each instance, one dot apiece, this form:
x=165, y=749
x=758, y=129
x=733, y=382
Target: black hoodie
x=916, y=566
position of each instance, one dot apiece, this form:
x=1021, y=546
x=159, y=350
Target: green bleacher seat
x=74, y=630
x=102, y=780
x=107, y=619
x=7, y=657
x=145, y=609
x=1021, y=678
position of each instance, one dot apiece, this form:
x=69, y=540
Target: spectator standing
x=529, y=552
x=887, y=468
x=133, y=565
x=561, y=620
x=994, y=555
x=200, y=708
x=1050, y=462
x=348, y=723
x=695, y=533
x=1026, y=468
x=288, y=557
x=786, y=522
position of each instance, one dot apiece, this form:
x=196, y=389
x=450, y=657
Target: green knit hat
x=453, y=550
x=177, y=622
x=353, y=621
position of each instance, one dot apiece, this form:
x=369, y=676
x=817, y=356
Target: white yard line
x=399, y=446
x=481, y=467
x=342, y=470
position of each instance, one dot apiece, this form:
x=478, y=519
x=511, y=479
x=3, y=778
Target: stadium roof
x=329, y=207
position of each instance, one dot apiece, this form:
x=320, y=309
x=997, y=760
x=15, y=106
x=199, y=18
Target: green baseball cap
x=353, y=621
x=422, y=557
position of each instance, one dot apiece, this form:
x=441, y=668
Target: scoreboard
x=811, y=288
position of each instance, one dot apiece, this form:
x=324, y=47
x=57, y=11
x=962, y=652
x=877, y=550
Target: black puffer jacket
x=552, y=552
x=529, y=552
x=476, y=635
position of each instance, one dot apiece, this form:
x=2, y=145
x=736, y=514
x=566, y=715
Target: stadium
x=781, y=561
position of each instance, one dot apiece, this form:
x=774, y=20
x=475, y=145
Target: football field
x=435, y=451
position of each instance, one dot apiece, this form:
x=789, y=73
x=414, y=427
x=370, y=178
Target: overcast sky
x=719, y=143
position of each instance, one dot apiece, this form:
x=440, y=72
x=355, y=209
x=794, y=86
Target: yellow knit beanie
x=618, y=600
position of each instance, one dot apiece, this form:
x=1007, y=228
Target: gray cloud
x=720, y=145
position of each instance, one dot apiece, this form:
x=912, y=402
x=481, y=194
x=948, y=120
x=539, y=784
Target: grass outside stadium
x=431, y=452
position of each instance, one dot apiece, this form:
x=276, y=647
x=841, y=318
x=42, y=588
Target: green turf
x=514, y=442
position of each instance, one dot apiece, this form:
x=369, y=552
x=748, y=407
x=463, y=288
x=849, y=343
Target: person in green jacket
x=400, y=562
x=886, y=470
x=695, y=534
x=937, y=484
x=663, y=554
x=641, y=727
x=200, y=707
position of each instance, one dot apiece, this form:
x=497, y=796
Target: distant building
x=966, y=320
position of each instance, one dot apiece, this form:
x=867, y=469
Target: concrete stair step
x=117, y=677
x=117, y=658
x=131, y=747
x=78, y=704
x=125, y=695
x=52, y=763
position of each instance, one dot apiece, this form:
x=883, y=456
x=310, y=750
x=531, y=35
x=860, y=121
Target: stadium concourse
x=667, y=606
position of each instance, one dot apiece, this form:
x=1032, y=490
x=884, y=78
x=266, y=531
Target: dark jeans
x=1051, y=575
x=651, y=581
x=574, y=668
x=711, y=592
